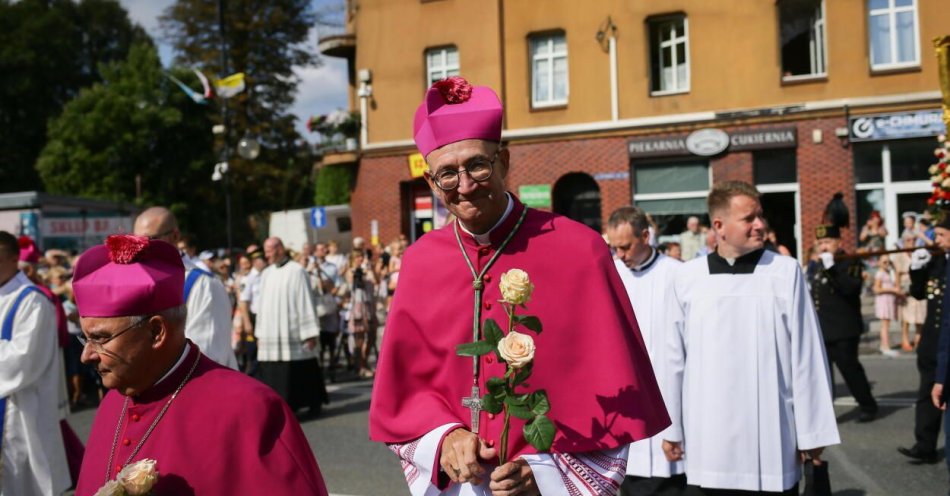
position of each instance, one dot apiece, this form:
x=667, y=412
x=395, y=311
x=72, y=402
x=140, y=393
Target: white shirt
x=33, y=456
x=209, y=318
x=747, y=383
x=287, y=316
x=251, y=290
x=649, y=285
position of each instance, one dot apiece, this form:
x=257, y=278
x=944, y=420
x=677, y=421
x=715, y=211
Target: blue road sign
x=318, y=217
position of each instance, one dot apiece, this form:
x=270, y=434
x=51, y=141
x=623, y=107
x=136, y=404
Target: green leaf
x=496, y=386
x=529, y=321
x=491, y=403
x=478, y=348
x=520, y=411
x=516, y=400
x=523, y=374
x=540, y=433
x=538, y=402
x=492, y=332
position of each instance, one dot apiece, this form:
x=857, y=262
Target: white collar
x=485, y=239
x=649, y=261
x=177, y=364
x=18, y=279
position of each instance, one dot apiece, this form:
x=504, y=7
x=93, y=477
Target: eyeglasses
x=98, y=345
x=478, y=170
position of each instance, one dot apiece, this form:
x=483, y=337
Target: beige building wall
x=734, y=56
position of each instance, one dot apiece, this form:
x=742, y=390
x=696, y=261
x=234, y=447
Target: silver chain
x=125, y=406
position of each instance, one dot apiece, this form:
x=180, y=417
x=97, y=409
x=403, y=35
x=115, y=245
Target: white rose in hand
x=139, y=477
x=112, y=488
x=517, y=349
x=515, y=287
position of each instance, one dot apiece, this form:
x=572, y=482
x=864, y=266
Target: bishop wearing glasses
x=590, y=358
x=210, y=429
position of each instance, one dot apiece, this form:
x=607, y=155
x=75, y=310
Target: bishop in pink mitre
x=210, y=429
x=590, y=358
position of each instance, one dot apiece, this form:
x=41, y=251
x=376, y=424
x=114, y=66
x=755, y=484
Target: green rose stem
x=510, y=390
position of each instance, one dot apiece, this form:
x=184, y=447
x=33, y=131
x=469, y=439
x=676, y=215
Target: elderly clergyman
x=209, y=429
x=590, y=358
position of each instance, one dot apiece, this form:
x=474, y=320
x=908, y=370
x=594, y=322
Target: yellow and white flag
x=230, y=86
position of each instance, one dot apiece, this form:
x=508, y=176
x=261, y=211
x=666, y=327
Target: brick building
x=613, y=102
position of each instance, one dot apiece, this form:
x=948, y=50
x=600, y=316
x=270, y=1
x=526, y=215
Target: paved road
x=866, y=463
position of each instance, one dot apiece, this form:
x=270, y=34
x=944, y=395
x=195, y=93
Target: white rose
x=139, y=477
x=515, y=287
x=934, y=169
x=112, y=488
x=517, y=349
x=946, y=183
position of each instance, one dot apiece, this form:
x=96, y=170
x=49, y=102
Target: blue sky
x=321, y=89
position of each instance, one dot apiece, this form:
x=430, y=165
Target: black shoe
x=917, y=455
x=867, y=416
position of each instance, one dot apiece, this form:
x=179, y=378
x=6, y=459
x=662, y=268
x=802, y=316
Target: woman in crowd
x=361, y=280
x=886, y=294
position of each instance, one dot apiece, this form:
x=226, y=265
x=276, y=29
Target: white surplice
x=649, y=286
x=598, y=473
x=209, y=317
x=34, y=459
x=747, y=380
x=287, y=315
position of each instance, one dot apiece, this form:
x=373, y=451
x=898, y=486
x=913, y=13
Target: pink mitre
x=128, y=275
x=29, y=253
x=454, y=110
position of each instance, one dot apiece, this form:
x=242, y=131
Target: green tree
x=137, y=128
x=265, y=40
x=49, y=50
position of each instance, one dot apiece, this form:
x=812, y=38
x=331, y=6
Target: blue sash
x=6, y=334
x=192, y=279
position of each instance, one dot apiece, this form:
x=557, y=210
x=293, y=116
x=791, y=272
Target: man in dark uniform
x=836, y=289
x=928, y=279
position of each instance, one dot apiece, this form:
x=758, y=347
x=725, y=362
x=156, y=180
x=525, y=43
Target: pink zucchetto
x=128, y=275
x=29, y=253
x=454, y=110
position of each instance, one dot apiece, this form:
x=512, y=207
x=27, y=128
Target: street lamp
x=248, y=147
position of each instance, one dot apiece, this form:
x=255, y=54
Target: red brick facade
x=823, y=169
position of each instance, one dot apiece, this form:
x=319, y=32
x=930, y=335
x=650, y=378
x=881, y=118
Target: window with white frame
x=441, y=63
x=548, y=70
x=671, y=192
x=802, y=38
x=893, y=29
x=669, y=55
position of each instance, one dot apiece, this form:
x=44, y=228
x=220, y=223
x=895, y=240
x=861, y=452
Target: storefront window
x=775, y=166
x=910, y=159
x=671, y=193
x=868, y=167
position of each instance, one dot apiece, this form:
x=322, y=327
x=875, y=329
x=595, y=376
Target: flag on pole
x=230, y=86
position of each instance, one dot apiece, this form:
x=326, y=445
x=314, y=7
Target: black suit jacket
x=929, y=283
x=837, y=296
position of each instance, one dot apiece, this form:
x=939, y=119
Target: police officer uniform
x=836, y=290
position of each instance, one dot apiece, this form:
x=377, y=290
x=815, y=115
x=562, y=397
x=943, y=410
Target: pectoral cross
x=473, y=403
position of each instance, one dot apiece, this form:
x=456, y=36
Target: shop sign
x=763, y=139
x=711, y=141
x=78, y=227
x=707, y=142
x=612, y=176
x=417, y=165
x=535, y=195
x=896, y=125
